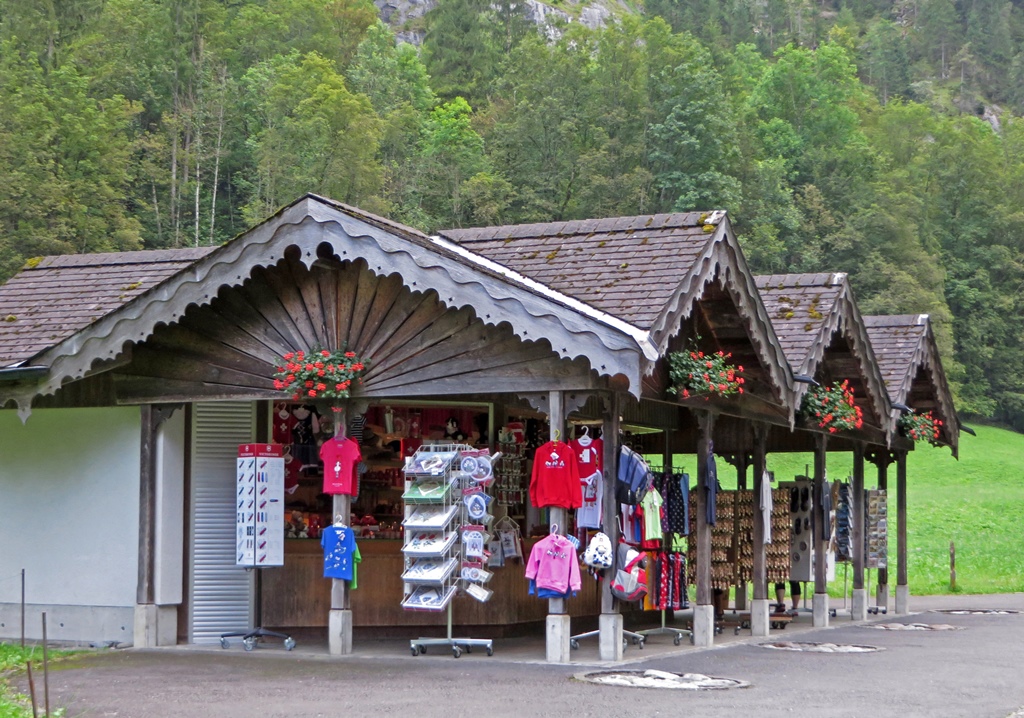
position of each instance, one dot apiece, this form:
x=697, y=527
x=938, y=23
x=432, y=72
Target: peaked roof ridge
x=634, y=223
x=108, y=259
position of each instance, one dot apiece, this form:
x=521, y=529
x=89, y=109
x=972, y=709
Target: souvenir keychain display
x=447, y=515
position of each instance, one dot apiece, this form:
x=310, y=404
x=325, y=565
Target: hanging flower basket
x=921, y=427
x=695, y=374
x=320, y=375
x=832, y=407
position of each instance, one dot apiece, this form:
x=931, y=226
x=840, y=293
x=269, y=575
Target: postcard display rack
x=446, y=523
x=259, y=523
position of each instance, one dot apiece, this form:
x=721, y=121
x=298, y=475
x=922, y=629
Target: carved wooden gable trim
x=413, y=343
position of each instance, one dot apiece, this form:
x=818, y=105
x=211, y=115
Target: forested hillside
x=872, y=137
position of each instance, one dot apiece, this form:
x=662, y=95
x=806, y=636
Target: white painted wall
x=69, y=515
x=170, y=507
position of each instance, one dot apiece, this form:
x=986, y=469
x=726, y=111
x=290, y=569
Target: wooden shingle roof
x=909, y=361
x=626, y=266
x=821, y=328
x=799, y=305
x=897, y=340
x=52, y=298
x=109, y=318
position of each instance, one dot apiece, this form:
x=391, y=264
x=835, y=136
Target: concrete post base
x=741, y=597
x=819, y=606
x=902, y=599
x=557, y=635
x=339, y=632
x=703, y=626
x=610, y=637
x=759, y=617
x=155, y=625
x=882, y=595
x=859, y=611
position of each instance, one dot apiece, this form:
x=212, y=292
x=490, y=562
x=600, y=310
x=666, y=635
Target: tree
x=309, y=133
x=64, y=164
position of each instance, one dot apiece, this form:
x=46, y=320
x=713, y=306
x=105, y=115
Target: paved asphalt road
x=977, y=672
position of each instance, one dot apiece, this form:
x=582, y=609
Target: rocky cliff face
x=404, y=16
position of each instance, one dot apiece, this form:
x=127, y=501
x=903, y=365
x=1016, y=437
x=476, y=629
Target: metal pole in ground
x=22, y=608
x=46, y=672
x=31, y=688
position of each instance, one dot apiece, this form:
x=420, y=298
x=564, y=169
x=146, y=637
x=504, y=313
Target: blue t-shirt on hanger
x=340, y=552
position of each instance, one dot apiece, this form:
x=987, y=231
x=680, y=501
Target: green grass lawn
x=12, y=662
x=976, y=502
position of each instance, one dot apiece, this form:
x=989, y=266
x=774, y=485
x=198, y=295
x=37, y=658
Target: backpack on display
x=599, y=552
x=629, y=580
x=632, y=478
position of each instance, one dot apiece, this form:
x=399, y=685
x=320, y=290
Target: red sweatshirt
x=556, y=477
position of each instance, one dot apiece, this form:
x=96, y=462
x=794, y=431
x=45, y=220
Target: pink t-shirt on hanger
x=340, y=457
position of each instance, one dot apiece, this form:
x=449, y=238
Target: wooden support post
x=557, y=625
x=610, y=623
x=340, y=620
x=144, y=590
x=760, y=577
x=820, y=520
x=704, y=611
x=882, y=590
x=557, y=517
x=706, y=422
x=902, y=589
x=820, y=542
x=857, y=516
x=609, y=509
x=859, y=603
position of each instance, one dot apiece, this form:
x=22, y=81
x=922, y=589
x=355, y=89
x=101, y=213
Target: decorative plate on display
x=476, y=507
x=483, y=470
x=469, y=465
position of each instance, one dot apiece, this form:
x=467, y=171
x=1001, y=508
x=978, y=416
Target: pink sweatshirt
x=553, y=565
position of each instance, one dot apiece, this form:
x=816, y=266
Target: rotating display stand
x=440, y=481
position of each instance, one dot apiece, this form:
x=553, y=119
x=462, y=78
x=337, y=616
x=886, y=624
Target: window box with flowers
x=696, y=374
x=921, y=427
x=832, y=407
x=320, y=375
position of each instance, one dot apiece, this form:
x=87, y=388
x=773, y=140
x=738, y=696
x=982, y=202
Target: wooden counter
x=297, y=595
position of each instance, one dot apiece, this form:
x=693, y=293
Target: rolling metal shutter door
x=221, y=592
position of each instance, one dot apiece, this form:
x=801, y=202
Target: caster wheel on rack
x=640, y=644
x=249, y=644
x=691, y=639
x=414, y=650
x=289, y=643
x=574, y=644
x=736, y=631
x=677, y=640
x=469, y=649
x=456, y=651
x=490, y=651
x=223, y=643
